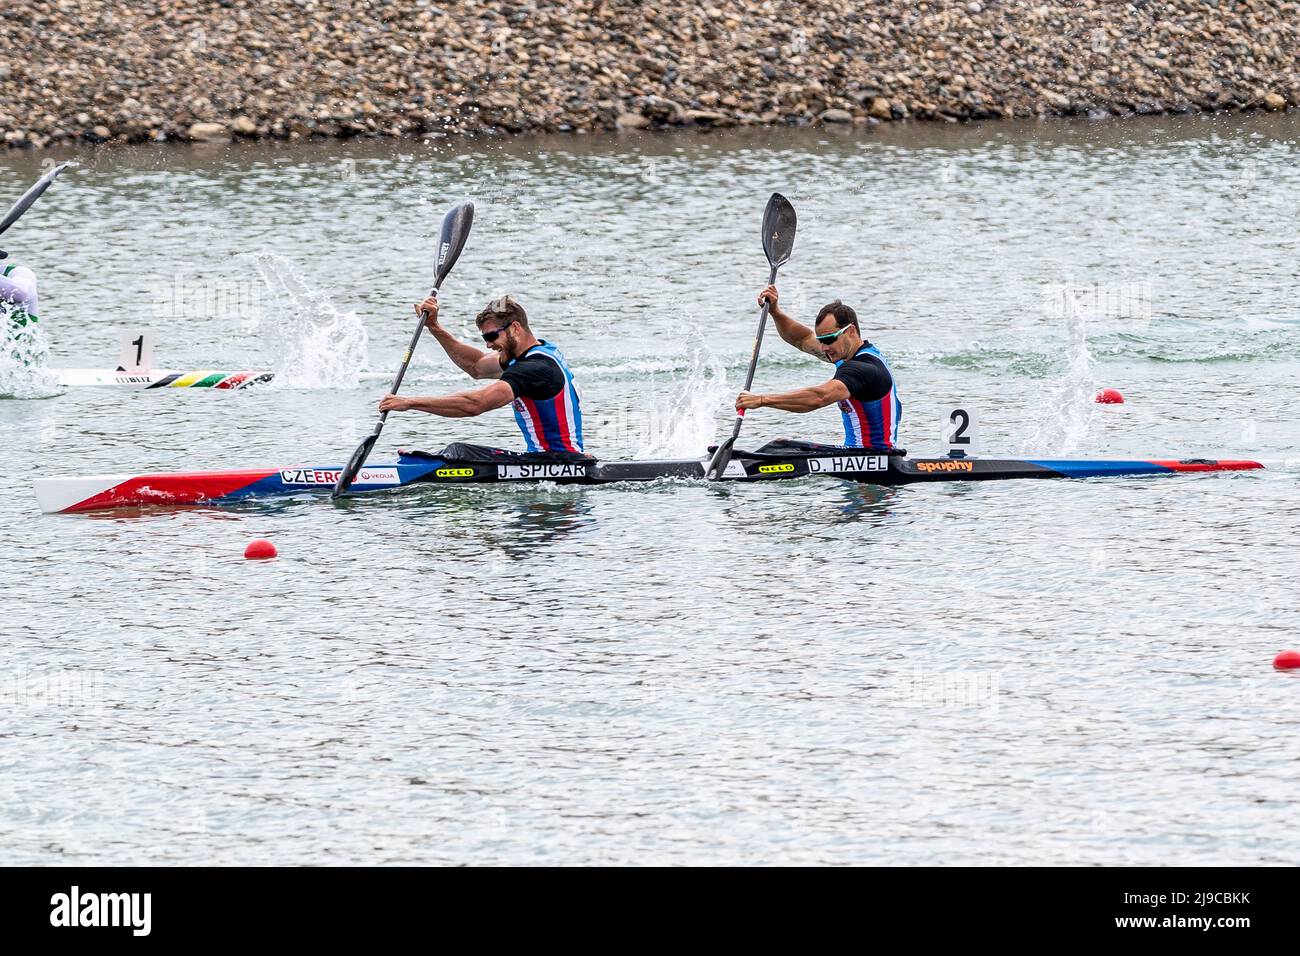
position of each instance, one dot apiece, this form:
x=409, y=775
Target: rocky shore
x=113, y=70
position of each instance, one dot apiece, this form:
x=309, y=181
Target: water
x=812, y=672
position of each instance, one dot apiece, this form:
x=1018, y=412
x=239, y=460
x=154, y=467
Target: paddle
x=26, y=199
x=778, y=240
x=455, y=230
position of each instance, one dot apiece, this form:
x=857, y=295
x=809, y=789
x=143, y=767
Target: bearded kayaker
x=532, y=376
x=862, y=386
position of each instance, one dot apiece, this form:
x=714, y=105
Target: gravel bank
x=101, y=70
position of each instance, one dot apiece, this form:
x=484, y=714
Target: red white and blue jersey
x=548, y=405
x=872, y=410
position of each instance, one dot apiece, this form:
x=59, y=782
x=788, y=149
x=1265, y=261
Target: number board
x=959, y=431
x=135, y=351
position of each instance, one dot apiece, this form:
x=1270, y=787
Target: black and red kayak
x=470, y=464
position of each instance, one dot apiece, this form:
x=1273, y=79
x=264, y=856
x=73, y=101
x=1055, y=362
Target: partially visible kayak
x=166, y=378
x=96, y=492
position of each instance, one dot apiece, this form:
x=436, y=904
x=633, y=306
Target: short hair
x=505, y=308
x=842, y=314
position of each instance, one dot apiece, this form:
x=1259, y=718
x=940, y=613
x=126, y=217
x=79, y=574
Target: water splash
x=24, y=353
x=315, y=345
x=1069, y=413
x=683, y=422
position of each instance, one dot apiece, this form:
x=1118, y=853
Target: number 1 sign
x=135, y=351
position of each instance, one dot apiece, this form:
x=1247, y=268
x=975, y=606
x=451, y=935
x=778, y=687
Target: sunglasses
x=828, y=339
x=492, y=336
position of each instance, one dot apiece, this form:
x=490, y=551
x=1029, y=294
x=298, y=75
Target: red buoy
x=259, y=549
x=1110, y=396
x=1287, y=660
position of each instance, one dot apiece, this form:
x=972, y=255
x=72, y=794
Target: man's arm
x=792, y=331
x=475, y=363
x=457, y=405
x=800, y=400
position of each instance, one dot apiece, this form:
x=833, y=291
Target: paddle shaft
x=406, y=362
x=406, y=359
x=723, y=454
x=359, y=456
x=753, y=359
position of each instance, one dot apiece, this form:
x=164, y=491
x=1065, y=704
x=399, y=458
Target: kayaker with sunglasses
x=532, y=375
x=862, y=386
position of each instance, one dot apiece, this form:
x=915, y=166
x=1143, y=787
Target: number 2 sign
x=959, y=431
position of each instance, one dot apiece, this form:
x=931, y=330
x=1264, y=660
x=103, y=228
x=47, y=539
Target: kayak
x=165, y=378
x=771, y=463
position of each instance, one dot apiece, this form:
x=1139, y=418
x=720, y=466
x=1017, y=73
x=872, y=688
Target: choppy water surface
x=1033, y=672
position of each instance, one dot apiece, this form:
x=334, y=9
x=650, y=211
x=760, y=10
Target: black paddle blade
x=26, y=199
x=349, y=474
x=455, y=230
x=778, y=230
x=721, y=458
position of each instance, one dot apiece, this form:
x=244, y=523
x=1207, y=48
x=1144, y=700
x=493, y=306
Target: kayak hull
x=98, y=492
x=166, y=378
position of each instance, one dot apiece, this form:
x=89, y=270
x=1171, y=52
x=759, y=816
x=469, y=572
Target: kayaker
x=18, y=283
x=18, y=294
x=532, y=375
x=862, y=386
